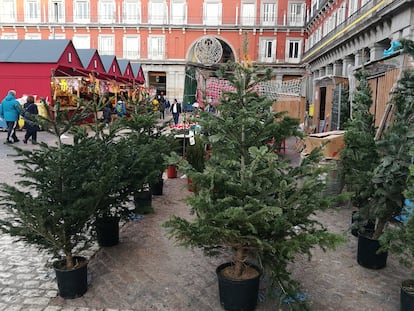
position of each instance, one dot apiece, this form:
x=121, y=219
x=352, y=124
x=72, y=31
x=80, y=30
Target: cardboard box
x=334, y=143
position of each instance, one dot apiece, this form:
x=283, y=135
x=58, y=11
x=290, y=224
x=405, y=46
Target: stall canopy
x=92, y=62
x=138, y=72
x=111, y=66
x=27, y=66
x=126, y=70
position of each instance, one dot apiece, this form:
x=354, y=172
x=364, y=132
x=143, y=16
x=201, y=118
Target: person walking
x=10, y=109
x=107, y=113
x=30, y=113
x=161, y=106
x=175, y=110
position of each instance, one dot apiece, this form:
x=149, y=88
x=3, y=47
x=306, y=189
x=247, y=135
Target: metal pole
x=56, y=8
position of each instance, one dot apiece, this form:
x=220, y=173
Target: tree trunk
x=239, y=262
x=69, y=261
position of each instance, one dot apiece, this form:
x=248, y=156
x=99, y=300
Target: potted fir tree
x=53, y=204
x=147, y=145
x=390, y=175
x=399, y=239
x=360, y=155
x=249, y=200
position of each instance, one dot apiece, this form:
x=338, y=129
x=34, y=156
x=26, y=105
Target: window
x=82, y=41
x=9, y=36
x=156, y=45
x=293, y=50
x=8, y=6
x=132, y=12
x=296, y=14
x=57, y=36
x=131, y=47
x=267, y=51
x=33, y=36
x=32, y=11
x=212, y=12
x=340, y=15
x=106, y=11
x=106, y=45
x=268, y=14
x=178, y=12
x=157, y=12
x=352, y=7
x=56, y=11
x=81, y=11
x=248, y=15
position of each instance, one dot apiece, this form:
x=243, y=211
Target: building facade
x=167, y=36
x=348, y=35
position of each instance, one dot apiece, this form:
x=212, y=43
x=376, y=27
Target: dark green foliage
x=400, y=238
x=391, y=175
x=58, y=192
x=196, y=154
x=250, y=200
x=360, y=155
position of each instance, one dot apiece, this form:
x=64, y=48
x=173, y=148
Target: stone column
x=329, y=69
x=337, y=68
x=376, y=51
x=348, y=60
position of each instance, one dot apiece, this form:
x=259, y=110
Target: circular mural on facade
x=208, y=51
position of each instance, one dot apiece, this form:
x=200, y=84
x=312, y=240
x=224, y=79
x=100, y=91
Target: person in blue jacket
x=120, y=108
x=10, y=109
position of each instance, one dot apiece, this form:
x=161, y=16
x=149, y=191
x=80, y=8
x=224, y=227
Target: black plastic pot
x=72, y=283
x=107, y=231
x=237, y=295
x=157, y=187
x=407, y=296
x=367, y=253
x=143, y=201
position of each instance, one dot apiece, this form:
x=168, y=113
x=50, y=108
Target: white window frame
x=340, y=14
x=157, y=12
x=248, y=14
x=156, y=47
x=178, y=12
x=106, y=11
x=352, y=7
x=8, y=6
x=363, y=2
x=267, y=51
x=293, y=50
x=132, y=12
x=9, y=36
x=81, y=41
x=33, y=36
x=57, y=36
x=131, y=44
x=58, y=5
x=212, y=12
x=268, y=13
x=32, y=11
x=296, y=13
x=106, y=44
x=81, y=11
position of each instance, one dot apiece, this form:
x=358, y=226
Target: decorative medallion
x=208, y=51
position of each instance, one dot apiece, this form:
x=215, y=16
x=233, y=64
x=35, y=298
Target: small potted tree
x=53, y=204
x=196, y=156
x=145, y=160
x=250, y=203
x=390, y=175
x=360, y=155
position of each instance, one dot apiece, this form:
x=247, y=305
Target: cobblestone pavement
x=146, y=271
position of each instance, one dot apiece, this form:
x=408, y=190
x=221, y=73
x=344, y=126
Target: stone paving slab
x=146, y=271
